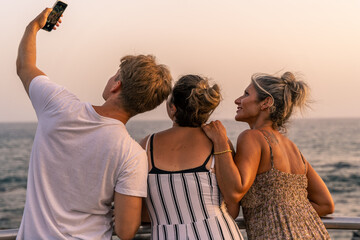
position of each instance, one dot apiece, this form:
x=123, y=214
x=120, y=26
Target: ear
x=267, y=103
x=116, y=86
x=172, y=108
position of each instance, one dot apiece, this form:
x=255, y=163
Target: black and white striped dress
x=187, y=204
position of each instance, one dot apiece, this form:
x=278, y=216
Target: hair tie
x=273, y=102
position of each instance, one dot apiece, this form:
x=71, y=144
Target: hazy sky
x=225, y=40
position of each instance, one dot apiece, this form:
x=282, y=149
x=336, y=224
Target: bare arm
x=233, y=209
x=235, y=176
x=247, y=158
x=145, y=218
x=144, y=212
x=127, y=211
x=318, y=194
x=227, y=174
x=26, y=60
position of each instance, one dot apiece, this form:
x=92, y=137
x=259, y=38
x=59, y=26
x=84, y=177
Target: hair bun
x=214, y=91
x=288, y=77
x=203, y=85
x=194, y=100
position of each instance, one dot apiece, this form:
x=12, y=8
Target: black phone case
x=54, y=16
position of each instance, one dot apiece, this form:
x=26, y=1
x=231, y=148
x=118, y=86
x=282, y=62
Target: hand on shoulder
x=215, y=131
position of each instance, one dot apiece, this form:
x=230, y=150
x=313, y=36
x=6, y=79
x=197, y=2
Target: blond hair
x=195, y=100
x=286, y=91
x=145, y=84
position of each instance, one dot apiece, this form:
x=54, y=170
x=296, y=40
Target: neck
x=111, y=110
x=260, y=123
x=175, y=125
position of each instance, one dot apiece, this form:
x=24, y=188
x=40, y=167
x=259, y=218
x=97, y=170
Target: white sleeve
x=45, y=94
x=132, y=180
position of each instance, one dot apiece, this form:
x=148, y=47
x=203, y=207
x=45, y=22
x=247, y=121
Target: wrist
x=221, y=146
x=33, y=27
x=222, y=152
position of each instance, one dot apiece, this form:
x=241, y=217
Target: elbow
x=18, y=67
x=233, y=198
x=126, y=232
x=237, y=195
x=330, y=208
x=326, y=209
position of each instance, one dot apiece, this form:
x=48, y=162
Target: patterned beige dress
x=276, y=207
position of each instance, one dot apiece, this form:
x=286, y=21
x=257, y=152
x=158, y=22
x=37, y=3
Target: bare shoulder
x=250, y=140
x=290, y=145
x=249, y=136
x=145, y=140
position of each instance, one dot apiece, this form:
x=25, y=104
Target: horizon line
x=221, y=119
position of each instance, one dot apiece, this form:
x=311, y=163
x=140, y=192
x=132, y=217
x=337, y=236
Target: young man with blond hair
x=83, y=158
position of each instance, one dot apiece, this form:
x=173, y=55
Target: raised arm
x=318, y=194
x=26, y=60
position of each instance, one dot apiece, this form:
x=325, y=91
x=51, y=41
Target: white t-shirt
x=78, y=160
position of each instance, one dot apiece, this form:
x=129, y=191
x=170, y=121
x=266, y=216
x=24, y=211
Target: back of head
x=194, y=100
x=287, y=92
x=145, y=84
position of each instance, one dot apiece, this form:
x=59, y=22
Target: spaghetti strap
x=151, y=150
x=271, y=153
x=147, y=144
x=212, y=164
x=208, y=158
x=302, y=158
x=212, y=160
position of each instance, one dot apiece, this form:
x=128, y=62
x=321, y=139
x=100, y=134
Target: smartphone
x=58, y=9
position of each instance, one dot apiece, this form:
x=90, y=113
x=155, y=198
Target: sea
x=332, y=146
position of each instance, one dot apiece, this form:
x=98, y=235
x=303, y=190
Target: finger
x=205, y=127
x=42, y=17
x=47, y=11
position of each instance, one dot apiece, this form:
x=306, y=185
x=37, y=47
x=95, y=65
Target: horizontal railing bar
x=341, y=223
x=345, y=223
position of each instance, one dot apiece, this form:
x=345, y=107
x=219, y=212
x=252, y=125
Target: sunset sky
x=226, y=40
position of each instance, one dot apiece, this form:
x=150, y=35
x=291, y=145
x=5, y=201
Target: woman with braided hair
x=282, y=196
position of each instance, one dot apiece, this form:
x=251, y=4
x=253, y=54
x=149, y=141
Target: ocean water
x=332, y=146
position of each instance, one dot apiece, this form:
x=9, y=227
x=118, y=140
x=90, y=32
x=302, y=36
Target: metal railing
x=341, y=223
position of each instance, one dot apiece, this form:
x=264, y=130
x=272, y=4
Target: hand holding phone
x=58, y=9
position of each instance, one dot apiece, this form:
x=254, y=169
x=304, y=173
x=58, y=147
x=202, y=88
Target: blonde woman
x=282, y=196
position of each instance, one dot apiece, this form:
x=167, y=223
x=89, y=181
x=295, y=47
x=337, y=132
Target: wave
x=12, y=182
